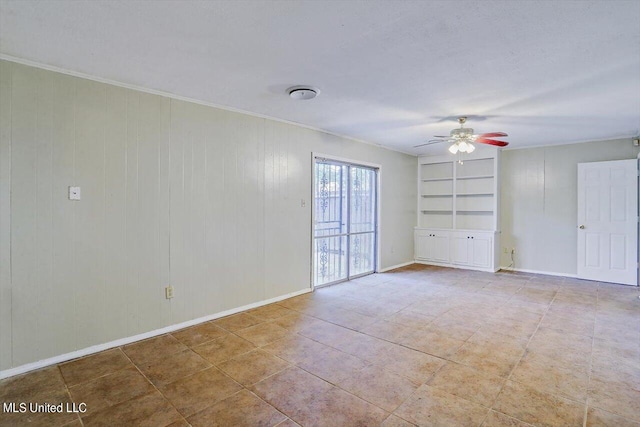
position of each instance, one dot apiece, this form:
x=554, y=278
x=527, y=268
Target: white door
x=422, y=245
x=440, y=247
x=608, y=221
x=460, y=248
x=480, y=251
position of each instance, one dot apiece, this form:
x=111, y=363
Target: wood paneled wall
x=173, y=192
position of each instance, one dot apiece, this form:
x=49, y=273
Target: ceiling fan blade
x=440, y=136
x=492, y=142
x=492, y=134
x=428, y=143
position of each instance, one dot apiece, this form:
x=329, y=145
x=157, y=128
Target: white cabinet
x=459, y=248
x=472, y=249
x=458, y=217
x=432, y=245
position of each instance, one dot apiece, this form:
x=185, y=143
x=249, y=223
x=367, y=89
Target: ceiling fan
x=462, y=139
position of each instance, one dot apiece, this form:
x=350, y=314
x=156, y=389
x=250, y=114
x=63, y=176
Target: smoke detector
x=303, y=92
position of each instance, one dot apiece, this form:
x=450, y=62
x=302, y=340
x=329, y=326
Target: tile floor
x=416, y=346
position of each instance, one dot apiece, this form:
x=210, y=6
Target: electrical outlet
x=505, y=250
x=168, y=292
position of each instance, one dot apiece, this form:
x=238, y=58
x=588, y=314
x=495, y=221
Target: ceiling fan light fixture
x=453, y=149
x=470, y=148
x=462, y=146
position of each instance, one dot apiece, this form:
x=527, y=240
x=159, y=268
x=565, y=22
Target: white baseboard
x=459, y=267
x=393, y=267
x=123, y=341
x=545, y=273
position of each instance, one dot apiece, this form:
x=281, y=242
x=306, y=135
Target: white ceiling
x=391, y=72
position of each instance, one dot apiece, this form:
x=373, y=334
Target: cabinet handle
x=472, y=237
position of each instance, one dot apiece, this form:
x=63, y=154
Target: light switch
x=303, y=203
x=74, y=193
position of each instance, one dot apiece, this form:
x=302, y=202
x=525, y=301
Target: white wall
x=539, y=202
x=172, y=192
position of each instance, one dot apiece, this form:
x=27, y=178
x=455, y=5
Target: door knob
x=581, y=227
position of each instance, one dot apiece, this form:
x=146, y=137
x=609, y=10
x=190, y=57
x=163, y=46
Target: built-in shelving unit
x=458, y=210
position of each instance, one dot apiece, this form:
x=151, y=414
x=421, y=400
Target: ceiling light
x=303, y=92
x=462, y=146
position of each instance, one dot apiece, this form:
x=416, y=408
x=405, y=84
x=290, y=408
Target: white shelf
x=437, y=179
x=474, y=194
x=473, y=212
x=475, y=177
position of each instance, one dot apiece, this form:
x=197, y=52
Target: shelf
x=436, y=195
x=474, y=194
x=437, y=179
x=472, y=212
x=426, y=211
x=475, y=177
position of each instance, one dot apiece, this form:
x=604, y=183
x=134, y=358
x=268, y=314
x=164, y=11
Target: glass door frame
x=345, y=162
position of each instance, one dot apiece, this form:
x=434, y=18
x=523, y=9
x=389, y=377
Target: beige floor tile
x=409, y=363
x=94, y=366
x=332, y=365
x=493, y=361
x=541, y=409
x=22, y=387
x=180, y=423
x=389, y=331
x=295, y=322
x=199, y=334
x=616, y=397
x=270, y=312
x=548, y=376
x=224, y=348
x=288, y=423
x=460, y=332
x=429, y=406
x=174, y=367
x=496, y=419
x=411, y=318
x=249, y=368
x=147, y=410
x=378, y=386
x=599, y=418
x=430, y=342
x=467, y=383
x=311, y=401
x=263, y=333
x=295, y=348
x=196, y=392
x=111, y=389
x=394, y=421
x=54, y=396
x=568, y=324
x=236, y=322
x=153, y=349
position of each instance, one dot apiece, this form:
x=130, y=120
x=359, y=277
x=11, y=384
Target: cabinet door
x=439, y=247
x=422, y=241
x=481, y=251
x=460, y=248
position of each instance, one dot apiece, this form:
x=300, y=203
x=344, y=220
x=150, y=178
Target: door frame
x=351, y=162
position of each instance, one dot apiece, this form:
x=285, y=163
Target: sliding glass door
x=345, y=221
